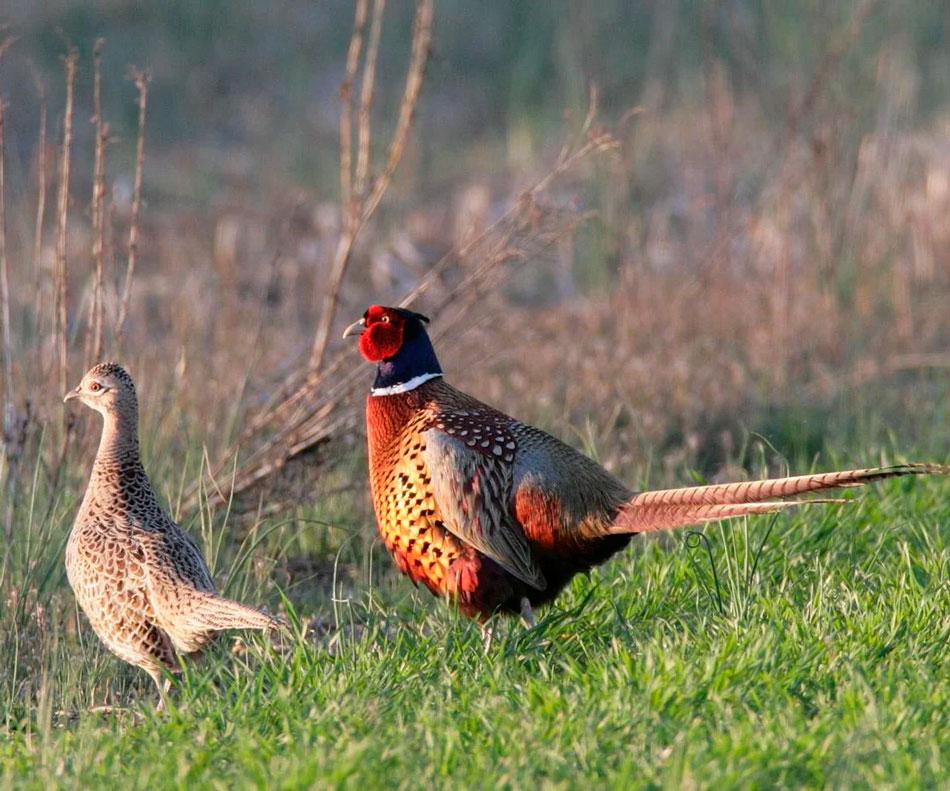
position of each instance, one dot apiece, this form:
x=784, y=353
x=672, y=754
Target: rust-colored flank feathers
x=138, y=577
x=498, y=516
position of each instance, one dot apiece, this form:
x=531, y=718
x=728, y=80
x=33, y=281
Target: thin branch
x=364, y=136
x=98, y=205
x=9, y=401
x=346, y=101
x=62, y=210
x=421, y=41
x=830, y=60
x=11, y=437
x=141, y=83
x=40, y=178
x=7, y=42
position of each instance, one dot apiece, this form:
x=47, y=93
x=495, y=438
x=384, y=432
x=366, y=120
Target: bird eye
x=385, y=319
x=95, y=387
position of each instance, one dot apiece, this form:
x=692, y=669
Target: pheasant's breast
x=408, y=516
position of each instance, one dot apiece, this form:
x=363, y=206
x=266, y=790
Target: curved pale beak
x=356, y=328
x=74, y=393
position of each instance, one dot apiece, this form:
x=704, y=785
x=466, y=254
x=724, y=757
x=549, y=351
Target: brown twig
x=141, y=83
x=62, y=211
x=364, y=138
x=9, y=401
x=9, y=436
x=421, y=41
x=98, y=207
x=346, y=102
x=40, y=178
x=357, y=208
x=830, y=60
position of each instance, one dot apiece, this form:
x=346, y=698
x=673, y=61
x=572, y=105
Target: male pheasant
x=496, y=515
x=140, y=579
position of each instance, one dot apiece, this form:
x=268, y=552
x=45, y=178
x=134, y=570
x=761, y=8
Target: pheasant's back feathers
x=486, y=431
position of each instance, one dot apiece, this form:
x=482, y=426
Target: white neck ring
x=403, y=387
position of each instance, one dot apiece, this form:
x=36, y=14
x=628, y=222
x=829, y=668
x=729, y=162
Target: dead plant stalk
x=62, y=211
x=358, y=205
x=94, y=345
x=41, y=179
x=141, y=83
x=9, y=402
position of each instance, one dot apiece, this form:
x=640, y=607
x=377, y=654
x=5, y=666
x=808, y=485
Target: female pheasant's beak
x=356, y=328
x=74, y=393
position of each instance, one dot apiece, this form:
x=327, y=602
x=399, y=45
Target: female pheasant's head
x=396, y=340
x=108, y=389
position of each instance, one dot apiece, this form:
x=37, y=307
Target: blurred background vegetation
x=247, y=90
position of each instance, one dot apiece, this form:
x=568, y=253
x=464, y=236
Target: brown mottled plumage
x=497, y=515
x=138, y=577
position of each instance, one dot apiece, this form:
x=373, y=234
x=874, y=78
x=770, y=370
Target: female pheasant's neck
x=413, y=365
x=119, y=443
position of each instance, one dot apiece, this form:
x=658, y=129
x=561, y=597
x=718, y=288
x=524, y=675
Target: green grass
x=806, y=651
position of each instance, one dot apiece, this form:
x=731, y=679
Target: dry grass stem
x=9, y=396
x=94, y=346
x=62, y=212
x=419, y=59
x=364, y=139
x=41, y=179
x=828, y=65
x=346, y=102
x=141, y=83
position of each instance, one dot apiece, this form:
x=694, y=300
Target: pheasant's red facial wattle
x=383, y=336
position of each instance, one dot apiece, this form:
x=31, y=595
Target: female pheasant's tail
x=216, y=613
x=671, y=508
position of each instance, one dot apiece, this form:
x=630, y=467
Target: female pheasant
x=139, y=577
x=496, y=515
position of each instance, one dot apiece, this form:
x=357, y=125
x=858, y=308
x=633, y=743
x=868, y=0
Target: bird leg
x=488, y=633
x=527, y=614
x=163, y=685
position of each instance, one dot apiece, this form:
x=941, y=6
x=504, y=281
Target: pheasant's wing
x=473, y=490
x=174, y=551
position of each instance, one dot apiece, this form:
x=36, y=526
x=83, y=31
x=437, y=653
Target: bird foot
x=109, y=709
x=164, y=686
x=105, y=709
x=527, y=614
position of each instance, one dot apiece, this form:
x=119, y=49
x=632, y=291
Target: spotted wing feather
x=472, y=488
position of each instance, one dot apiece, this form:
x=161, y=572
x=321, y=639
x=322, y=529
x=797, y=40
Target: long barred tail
x=671, y=508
